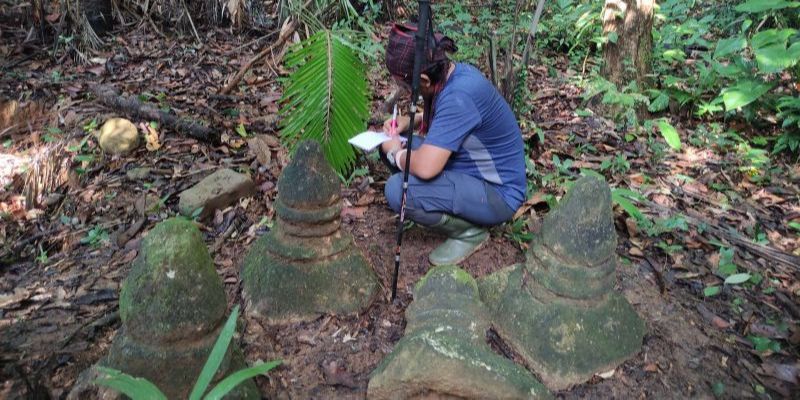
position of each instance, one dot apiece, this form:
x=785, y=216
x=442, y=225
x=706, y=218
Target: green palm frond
x=325, y=97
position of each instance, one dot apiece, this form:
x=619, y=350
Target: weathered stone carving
x=172, y=307
x=444, y=352
x=559, y=310
x=306, y=266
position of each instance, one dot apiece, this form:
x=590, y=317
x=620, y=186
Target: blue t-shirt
x=474, y=122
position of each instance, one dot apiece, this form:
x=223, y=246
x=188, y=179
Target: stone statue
x=559, y=310
x=444, y=353
x=172, y=306
x=306, y=266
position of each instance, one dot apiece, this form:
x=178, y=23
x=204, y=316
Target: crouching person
x=468, y=171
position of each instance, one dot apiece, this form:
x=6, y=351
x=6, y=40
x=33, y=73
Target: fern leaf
x=325, y=97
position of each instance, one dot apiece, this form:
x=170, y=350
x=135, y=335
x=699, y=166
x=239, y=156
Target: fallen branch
x=282, y=38
x=694, y=218
x=133, y=107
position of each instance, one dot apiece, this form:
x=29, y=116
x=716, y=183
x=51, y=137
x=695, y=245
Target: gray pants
x=453, y=193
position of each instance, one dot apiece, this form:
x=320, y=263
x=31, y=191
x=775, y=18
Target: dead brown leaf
x=259, y=146
x=354, y=212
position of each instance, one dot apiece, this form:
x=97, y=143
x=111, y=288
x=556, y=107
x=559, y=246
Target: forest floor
x=62, y=262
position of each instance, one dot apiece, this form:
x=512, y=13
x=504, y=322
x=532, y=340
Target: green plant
x=95, y=237
x=763, y=344
x=619, y=164
x=517, y=231
x=42, y=258
x=574, y=27
x=711, y=291
x=241, y=130
x=789, y=112
x=358, y=172
x=726, y=265
x=142, y=389
x=90, y=126
x=622, y=103
x=325, y=97
x=755, y=162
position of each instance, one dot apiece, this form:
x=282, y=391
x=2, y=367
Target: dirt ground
x=59, y=292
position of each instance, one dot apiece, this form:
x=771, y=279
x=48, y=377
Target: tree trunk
x=630, y=57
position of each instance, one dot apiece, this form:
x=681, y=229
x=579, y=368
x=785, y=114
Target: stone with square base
x=444, y=353
x=558, y=310
x=172, y=306
x=306, y=265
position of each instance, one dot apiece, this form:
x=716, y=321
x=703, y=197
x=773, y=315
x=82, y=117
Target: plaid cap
x=400, y=50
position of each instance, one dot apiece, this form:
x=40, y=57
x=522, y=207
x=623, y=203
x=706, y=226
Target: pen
x=394, y=120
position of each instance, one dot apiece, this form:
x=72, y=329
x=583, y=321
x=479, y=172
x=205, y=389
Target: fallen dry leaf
x=354, y=212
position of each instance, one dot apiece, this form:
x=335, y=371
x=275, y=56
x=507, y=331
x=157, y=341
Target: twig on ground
x=189, y=15
x=102, y=319
x=110, y=97
x=285, y=34
x=657, y=272
x=735, y=238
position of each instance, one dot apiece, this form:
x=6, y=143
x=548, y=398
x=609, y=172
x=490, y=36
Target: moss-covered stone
x=565, y=341
x=308, y=182
x=306, y=266
x=558, y=310
x=282, y=290
x=173, y=291
x=581, y=229
x=444, y=352
x=172, y=306
x=174, y=367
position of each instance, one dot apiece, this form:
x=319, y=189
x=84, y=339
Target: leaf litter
x=63, y=257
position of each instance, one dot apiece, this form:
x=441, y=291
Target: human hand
x=393, y=144
x=395, y=131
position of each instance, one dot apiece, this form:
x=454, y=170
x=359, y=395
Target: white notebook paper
x=369, y=140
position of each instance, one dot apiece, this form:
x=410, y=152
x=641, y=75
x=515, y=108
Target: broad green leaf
x=775, y=58
x=135, y=388
x=711, y=291
x=757, y=6
x=729, y=70
x=764, y=343
x=618, y=197
x=727, y=269
x=659, y=103
x=670, y=134
x=628, y=193
x=737, y=279
x=794, y=225
x=674, y=55
x=729, y=46
x=770, y=37
x=84, y=158
x=241, y=130
x=595, y=174
x=744, y=93
x=232, y=380
x=215, y=358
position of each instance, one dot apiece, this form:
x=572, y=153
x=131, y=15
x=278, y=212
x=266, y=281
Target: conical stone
x=444, y=352
x=306, y=266
x=172, y=307
x=559, y=310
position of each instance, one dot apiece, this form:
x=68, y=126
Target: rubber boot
x=463, y=239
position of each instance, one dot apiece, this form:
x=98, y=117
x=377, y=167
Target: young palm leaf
x=325, y=97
